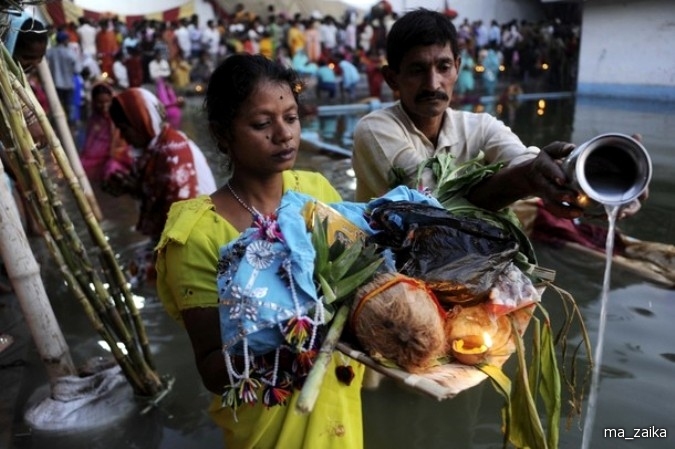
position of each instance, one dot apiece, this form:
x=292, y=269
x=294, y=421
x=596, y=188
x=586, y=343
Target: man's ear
x=390, y=77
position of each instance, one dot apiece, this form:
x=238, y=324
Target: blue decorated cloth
x=265, y=277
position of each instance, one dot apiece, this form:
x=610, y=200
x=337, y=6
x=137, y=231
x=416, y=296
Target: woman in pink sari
x=160, y=72
x=104, y=148
x=172, y=102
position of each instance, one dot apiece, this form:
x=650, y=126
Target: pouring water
x=612, y=212
x=612, y=170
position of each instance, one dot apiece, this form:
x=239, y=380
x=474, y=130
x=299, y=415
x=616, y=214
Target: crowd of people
x=331, y=52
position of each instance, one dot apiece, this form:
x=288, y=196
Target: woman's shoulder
x=305, y=177
x=311, y=183
x=183, y=217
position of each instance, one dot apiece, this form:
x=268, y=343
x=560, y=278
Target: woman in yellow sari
x=252, y=108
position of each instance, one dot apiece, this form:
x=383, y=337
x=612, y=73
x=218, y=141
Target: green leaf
x=369, y=254
x=496, y=375
x=526, y=428
x=328, y=292
x=502, y=385
x=341, y=265
x=320, y=243
x=534, y=372
x=549, y=388
x=337, y=248
x=349, y=284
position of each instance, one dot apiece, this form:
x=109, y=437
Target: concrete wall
x=628, y=49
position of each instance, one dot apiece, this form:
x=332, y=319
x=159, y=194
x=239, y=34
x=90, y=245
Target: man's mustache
x=433, y=95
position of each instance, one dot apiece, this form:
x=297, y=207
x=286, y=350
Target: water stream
x=612, y=212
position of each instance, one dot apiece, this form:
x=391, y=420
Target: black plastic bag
x=460, y=258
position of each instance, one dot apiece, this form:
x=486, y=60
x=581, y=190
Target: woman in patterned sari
x=167, y=165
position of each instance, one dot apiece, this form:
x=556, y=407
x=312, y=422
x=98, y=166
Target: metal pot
x=610, y=169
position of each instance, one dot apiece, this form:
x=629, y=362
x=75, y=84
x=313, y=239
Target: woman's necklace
x=252, y=210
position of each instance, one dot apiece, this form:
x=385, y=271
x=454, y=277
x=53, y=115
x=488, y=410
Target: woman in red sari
x=167, y=165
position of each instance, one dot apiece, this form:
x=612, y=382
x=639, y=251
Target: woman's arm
x=203, y=327
x=186, y=284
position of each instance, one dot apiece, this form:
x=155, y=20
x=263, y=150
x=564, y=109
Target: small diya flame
x=471, y=349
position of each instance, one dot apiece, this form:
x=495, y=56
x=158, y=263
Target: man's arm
x=541, y=176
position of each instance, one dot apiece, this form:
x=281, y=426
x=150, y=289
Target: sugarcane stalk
x=25, y=144
x=312, y=385
x=90, y=220
x=30, y=181
x=84, y=275
x=98, y=324
x=93, y=225
x=68, y=240
x=66, y=137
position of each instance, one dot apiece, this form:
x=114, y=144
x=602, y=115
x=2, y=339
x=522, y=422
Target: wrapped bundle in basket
x=397, y=317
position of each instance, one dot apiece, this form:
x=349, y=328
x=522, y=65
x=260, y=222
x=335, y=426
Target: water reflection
x=637, y=371
x=134, y=432
x=335, y=129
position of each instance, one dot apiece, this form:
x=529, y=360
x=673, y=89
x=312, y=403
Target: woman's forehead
x=268, y=94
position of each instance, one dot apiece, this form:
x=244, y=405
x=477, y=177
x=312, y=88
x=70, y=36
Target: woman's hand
x=119, y=183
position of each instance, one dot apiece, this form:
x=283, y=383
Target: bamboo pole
x=62, y=239
x=66, y=136
x=24, y=274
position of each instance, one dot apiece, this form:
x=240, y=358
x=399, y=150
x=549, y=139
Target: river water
x=635, y=390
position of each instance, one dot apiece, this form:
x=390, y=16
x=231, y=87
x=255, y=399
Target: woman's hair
x=419, y=27
x=31, y=31
x=233, y=82
x=101, y=88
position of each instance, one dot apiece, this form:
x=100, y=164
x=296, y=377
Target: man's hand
x=549, y=182
x=634, y=206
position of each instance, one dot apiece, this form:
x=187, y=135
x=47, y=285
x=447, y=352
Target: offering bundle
x=401, y=284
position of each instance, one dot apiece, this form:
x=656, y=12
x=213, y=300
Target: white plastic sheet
x=130, y=7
